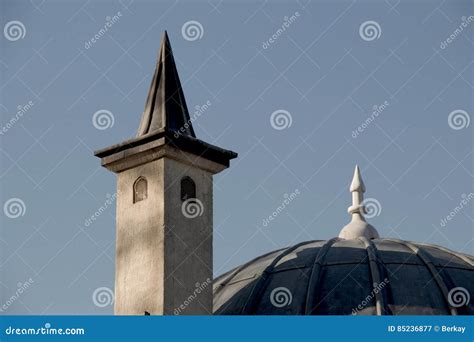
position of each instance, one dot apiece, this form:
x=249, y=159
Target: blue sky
x=323, y=73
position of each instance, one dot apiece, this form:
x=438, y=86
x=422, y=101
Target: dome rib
x=456, y=254
x=255, y=296
x=311, y=293
x=378, y=276
x=426, y=259
x=239, y=269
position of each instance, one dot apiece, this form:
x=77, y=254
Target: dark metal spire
x=165, y=106
x=165, y=121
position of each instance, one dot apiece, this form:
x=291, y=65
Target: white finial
x=357, y=183
x=358, y=227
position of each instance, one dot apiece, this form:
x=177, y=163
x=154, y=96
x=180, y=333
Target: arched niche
x=140, y=189
x=188, y=188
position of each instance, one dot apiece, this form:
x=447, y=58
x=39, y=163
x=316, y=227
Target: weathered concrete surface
x=163, y=258
x=139, y=267
x=188, y=243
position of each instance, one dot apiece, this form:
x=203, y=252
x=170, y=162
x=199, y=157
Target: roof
x=166, y=117
x=182, y=142
x=165, y=105
x=344, y=277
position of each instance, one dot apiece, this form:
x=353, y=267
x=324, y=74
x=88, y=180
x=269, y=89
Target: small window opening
x=140, y=190
x=188, y=188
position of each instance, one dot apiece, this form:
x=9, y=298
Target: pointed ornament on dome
x=357, y=183
x=358, y=227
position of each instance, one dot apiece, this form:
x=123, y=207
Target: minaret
x=358, y=227
x=163, y=263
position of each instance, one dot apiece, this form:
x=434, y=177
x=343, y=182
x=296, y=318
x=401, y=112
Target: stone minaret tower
x=164, y=205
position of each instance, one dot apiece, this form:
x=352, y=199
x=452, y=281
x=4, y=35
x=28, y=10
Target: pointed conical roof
x=165, y=106
x=165, y=122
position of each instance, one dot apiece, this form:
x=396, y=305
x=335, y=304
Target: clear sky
x=319, y=67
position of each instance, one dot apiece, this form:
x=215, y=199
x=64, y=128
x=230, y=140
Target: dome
x=356, y=273
x=344, y=277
